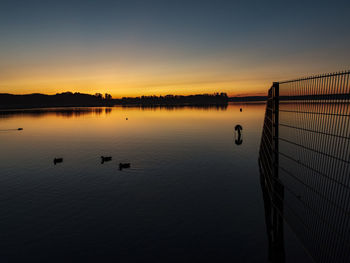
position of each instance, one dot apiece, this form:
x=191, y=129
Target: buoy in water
x=238, y=128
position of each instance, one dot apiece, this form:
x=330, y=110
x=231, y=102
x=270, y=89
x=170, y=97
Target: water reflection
x=238, y=134
x=273, y=195
x=76, y=112
x=179, y=197
x=62, y=112
x=222, y=107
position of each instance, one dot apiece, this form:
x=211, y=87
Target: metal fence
x=305, y=164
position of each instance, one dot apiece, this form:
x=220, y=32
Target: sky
x=149, y=47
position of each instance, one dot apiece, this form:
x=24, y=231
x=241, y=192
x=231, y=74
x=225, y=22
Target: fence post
x=278, y=188
x=275, y=127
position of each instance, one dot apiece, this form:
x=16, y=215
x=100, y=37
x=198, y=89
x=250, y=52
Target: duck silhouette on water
x=105, y=159
x=57, y=160
x=124, y=166
x=238, y=139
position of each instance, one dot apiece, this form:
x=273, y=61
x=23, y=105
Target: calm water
x=191, y=193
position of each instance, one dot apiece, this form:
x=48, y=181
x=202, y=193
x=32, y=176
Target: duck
x=105, y=159
x=57, y=160
x=124, y=166
x=20, y=129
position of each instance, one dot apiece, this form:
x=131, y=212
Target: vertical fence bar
x=275, y=125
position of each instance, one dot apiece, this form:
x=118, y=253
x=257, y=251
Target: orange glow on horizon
x=136, y=87
x=126, y=77
x=131, y=78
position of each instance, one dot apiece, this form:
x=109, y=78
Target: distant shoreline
x=247, y=98
x=69, y=99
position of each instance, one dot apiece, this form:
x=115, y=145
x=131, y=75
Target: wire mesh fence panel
x=313, y=154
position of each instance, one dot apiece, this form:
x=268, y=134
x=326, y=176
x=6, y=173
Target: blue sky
x=162, y=47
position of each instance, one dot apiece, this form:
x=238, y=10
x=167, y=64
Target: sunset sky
x=146, y=47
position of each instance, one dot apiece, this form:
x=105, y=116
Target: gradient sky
x=147, y=47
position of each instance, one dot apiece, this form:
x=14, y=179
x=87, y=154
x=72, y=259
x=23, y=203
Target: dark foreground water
x=191, y=195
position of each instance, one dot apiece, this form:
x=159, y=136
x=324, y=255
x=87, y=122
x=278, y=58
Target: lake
x=191, y=194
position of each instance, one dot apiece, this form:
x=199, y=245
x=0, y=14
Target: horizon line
x=138, y=96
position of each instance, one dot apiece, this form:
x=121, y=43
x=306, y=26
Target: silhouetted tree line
x=65, y=99
x=106, y=97
x=69, y=99
x=200, y=99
